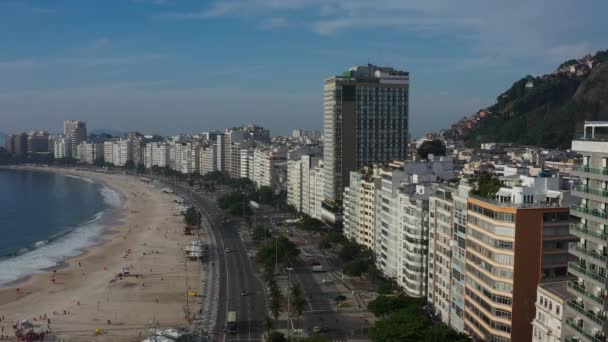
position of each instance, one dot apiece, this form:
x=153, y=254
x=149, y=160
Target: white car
x=227, y=250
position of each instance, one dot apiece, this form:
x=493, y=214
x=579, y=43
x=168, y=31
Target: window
x=557, y=309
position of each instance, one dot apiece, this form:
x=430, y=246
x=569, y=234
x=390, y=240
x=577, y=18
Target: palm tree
x=298, y=301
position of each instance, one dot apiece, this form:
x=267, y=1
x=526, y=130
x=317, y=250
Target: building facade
x=365, y=122
x=586, y=316
x=77, y=132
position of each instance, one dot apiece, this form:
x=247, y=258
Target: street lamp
x=289, y=269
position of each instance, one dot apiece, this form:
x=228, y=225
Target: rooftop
x=594, y=130
x=558, y=288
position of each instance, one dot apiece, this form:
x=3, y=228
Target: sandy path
x=150, y=226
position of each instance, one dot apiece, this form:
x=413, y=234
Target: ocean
x=46, y=217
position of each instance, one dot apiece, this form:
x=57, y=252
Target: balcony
x=586, y=274
x=594, y=235
x=571, y=323
x=583, y=191
x=584, y=293
x=595, y=318
x=587, y=169
x=591, y=212
x=581, y=252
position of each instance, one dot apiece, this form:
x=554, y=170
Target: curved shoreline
x=109, y=218
x=85, y=291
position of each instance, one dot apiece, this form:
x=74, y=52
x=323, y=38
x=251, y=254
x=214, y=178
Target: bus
x=231, y=324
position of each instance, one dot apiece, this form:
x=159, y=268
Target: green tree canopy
x=434, y=147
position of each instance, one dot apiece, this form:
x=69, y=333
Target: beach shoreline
x=144, y=234
x=111, y=217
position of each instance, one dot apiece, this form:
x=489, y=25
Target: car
x=318, y=329
x=244, y=293
x=227, y=250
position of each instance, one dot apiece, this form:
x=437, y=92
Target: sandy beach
x=146, y=234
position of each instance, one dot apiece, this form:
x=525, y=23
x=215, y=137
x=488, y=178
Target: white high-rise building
x=90, y=152
x=208, y=158
x=246, y=160
x=156, y=154
x=77, y=132
x=62, y=147
x=294, y=184
x=108, y=151
x=360, y=207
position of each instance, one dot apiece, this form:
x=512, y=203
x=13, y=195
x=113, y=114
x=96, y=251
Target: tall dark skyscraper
x=366, y=112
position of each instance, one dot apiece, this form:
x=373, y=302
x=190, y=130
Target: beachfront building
x=365, y=122
x=208, y=156
x=441, y=237
x=360, y=207
x=548, y=324
x=401, y=245
x=38, y=142
x=267, y=162
x=62, y=147
x=108, y=151
x=156, y=154
x=513, y=243
x=121, y=152
x=586, y=316
x=246, y=160
x=77, y=132
x=90, y=152
x=294, y=184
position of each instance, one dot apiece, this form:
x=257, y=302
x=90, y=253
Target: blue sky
x=171, y=66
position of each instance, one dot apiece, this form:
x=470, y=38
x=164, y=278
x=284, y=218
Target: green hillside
x=550, y=109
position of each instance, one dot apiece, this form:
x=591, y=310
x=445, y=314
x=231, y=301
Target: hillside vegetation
x=551, y=111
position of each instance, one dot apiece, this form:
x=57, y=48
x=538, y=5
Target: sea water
x=46, y=217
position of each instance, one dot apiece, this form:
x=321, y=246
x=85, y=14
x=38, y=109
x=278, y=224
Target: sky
x=186, y=66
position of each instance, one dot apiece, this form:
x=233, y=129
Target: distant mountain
x=544, y=110
x=107, y=131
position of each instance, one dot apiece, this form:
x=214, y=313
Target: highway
x=235, y=273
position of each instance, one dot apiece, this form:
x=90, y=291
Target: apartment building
x=77, y=132
x=294, y=184
x=360, y=207
x=62, y=147
x=586, y=318
x=511, y=247
x=548, y=324
x=441, y=237
x=208, y=158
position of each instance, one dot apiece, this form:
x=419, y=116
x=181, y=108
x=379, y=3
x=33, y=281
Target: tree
x=260, y=233
x=434, y=147
x=485, y=185
x=192, y=217
x=441, y=333
x=309, y=223
x=297, y=301
x=356, y=268
x=141, y=168
x=130, y=165
x=401, y=326
x=384, y=305
x=276, y=337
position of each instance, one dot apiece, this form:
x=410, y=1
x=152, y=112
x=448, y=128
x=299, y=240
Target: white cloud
x=90, y=61
x=517, y=28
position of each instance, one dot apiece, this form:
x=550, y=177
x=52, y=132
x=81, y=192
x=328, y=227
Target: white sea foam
x=111, y=197
x=79, y=177
x=50, y=253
